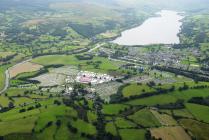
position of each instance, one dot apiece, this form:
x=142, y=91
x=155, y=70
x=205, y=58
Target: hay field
x=23, y=67
x=170, y=133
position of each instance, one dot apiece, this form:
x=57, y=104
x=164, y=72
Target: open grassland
x=200, y=112
x=135, y=89
x=92, y=117
x=16, y=91
x=123, y=123
x=4, y=101
x=199, y=130
x=182, y=113
x=22, y=100
x=110, y=127
x=132, y=134
x=48, y=133
x=63, y=133
x=153, y=100
x=84, y=127
x=105, y=65
x=164, y=119
x=112, y=109
x=50, y=113
x=170, y=97
x=145, y=118
x=188, y=94
x=24, y=125
x=170, y=133
x=23, y=67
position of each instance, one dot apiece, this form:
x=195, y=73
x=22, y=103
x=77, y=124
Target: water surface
x=162, y=29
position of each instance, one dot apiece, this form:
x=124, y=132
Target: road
x=97, y=46
x=6, y=82
x=7, y=76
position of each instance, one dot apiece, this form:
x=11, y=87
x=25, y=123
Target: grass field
x=4, y=101
x=85, y=127
x=198, y=129
x=164, y=119
x=188, y=94
x=135, y=89
x=160, y=99
x=132, y=134
x=50, y=113
x=110, y=127
x=200, y=112
x=171, y=97
x=112, y=109
x=182, y=113
x=145, y=118
x=92, y=117
x=105, y=65
x=123, y=123
x=170, y=133
x=48, y=133
x=20, y=125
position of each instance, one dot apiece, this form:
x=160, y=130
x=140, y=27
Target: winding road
x=7, y=75
x=6, y=83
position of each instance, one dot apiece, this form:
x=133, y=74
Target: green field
x=198, y=129
x=17, y=126
x=153, y=100
x=4, y=101
x=112, y=109
x=135, y=89
x=105, y=65
x=132, y=134
x=200, y=112
x=85, y=127
x=145, y=118
x=182, y=113
x=110, y=127
x=123, y=123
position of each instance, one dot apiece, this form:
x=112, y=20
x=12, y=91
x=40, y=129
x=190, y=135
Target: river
x=162, y=29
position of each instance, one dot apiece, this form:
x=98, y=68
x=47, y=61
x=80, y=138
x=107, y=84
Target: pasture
x=97, y=64
x=135, y=89
x=113, y=109
x=110, y=127
x=170, y=133
x=123, y=123
x=132, y=134
x=164, y=119
x=200, y=112
x=198, y=129
x=145, y=118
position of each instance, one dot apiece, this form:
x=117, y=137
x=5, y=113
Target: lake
x=162, y=29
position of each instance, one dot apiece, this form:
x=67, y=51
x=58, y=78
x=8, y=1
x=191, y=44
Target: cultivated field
x=164, y=119
x=23, y=67
x=170, y=133
x=198, y=129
